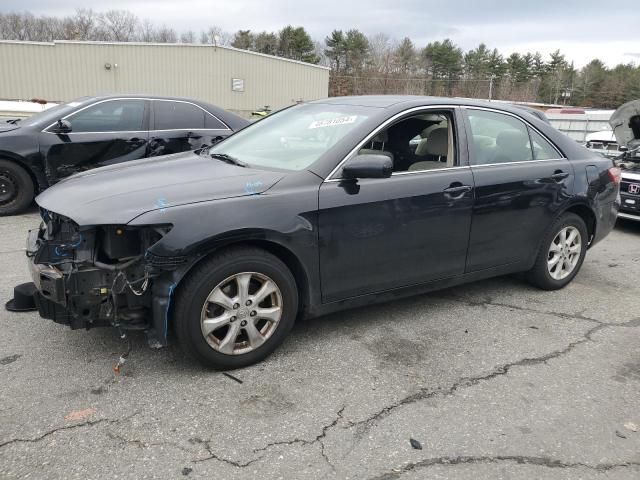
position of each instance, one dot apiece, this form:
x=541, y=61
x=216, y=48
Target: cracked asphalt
x=494, y=380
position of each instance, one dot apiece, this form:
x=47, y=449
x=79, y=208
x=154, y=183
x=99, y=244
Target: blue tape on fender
x=166, y=313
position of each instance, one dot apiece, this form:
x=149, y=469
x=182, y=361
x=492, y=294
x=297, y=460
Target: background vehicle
x=316, y=208
x=603, y=142
x=626, y=127
x=97, y=131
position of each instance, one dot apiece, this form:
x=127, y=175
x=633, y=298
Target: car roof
x=408, y=101
x=140, y=95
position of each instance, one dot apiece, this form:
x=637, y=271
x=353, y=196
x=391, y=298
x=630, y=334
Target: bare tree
x=84, y=22
x=166, y=35
x=119, y=25
x=17, y=26
x=147, y=31
x=381, y=52
x=216, y=36
x=188, y=37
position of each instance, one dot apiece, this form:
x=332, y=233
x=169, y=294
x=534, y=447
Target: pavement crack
x=519, y=459
x=301, y=441
x=501, y=370
x=491, y=302
x=320, y=438
x=215, y=456
x=48, y=433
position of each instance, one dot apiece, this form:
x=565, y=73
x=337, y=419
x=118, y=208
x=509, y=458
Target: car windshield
x=294, y=138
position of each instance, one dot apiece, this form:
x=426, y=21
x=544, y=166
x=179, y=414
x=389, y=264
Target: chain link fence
x=496, y=89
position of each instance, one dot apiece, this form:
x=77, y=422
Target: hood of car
x=625, y=123
x=7, y=127
x=119, y=193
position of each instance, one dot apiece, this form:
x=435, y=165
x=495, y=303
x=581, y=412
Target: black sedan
x=97, y=131
x=316, y=208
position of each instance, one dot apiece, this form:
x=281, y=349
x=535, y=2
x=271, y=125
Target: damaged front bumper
x=98, y=276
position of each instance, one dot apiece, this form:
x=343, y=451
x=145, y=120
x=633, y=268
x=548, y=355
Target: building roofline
x=145, y=44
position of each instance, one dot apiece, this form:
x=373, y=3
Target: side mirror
x=368, y=166
x=62, y=126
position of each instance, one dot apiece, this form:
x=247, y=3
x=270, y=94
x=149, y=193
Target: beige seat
x=435, y=145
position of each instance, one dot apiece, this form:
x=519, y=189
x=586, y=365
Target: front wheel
x=236, y=308
x=561, y=254
x=16, y=188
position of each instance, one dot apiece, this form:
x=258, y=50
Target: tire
x=16, y=188
x=217, y=282
x=548, y=275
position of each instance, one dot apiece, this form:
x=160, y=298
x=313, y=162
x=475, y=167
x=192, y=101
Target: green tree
x=477, y=63
x=405, y=56
x=443, y=60
x=356, y=48
x=518, y=67
x=243, y=39
x=335, y=49
x=266, y=42
x=295, y=43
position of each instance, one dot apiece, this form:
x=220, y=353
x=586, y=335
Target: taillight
x=615, y=175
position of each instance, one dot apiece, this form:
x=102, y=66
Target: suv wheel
x=561, y=253
x=16, y=188
x=236, y=308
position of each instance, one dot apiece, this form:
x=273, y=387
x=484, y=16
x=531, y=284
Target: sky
x=581, y=29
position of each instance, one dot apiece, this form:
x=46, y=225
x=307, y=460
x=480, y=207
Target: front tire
x=561, y=253
x=235, y=308
x=16, y=188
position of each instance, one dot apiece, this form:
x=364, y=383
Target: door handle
x=559, y=175
x=457, y=190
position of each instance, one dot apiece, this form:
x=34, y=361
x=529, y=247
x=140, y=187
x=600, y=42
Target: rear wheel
x=236, y=308
x=16, y=188
x=561, y=254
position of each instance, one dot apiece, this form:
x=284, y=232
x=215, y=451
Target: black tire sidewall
x=24, y=184
x=540, y=273
x=192, y=295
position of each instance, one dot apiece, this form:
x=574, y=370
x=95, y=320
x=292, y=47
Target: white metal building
x=234, y=79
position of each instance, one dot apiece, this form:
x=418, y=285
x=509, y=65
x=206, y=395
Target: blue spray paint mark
x=166, y=313
x=252, y=187
x=59, y=250
x=162, y=203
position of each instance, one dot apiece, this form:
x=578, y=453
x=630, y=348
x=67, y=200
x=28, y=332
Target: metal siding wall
x=66, y=70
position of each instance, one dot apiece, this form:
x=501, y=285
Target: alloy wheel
x=564, y=253
x=241, y=313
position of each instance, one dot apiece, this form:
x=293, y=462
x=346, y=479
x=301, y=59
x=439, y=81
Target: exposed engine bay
x=95, y=276
x=625, y=123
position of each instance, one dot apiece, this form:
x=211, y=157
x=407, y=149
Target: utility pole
x=491, y=87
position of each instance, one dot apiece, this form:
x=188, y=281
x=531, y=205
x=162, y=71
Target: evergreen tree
x=243, y=39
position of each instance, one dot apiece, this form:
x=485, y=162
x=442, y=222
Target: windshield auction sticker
x=333, y=121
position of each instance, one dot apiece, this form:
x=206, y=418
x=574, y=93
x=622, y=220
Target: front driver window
x=420, y=142
x=110, y=116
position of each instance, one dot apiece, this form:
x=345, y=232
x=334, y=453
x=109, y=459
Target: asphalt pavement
x=492, y=380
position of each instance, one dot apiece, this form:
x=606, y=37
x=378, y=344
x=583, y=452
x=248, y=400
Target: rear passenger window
x=542, y=150
x=498, y=138
x=177, y=116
